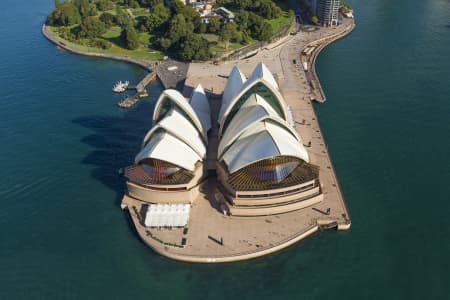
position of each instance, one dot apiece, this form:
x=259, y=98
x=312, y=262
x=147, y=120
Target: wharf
x=141, y=92
x=250, y=237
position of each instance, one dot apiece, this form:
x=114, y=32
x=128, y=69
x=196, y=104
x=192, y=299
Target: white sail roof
x=243, y=119
x=166, y=147
x=265, y=140
x=234, y=84
x=182, y=104
x=200, y=104
x=251, y=125
x=260, y=75
x=177, y=125
x=261, y=71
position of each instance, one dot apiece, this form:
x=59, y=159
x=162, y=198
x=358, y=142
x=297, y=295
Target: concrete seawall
x=322, y=43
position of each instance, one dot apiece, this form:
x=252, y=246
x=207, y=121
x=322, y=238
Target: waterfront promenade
x=243, y=237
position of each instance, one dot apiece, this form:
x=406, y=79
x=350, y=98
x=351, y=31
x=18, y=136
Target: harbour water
x=386, y=123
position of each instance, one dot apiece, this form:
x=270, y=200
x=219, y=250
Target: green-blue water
x=386, y=122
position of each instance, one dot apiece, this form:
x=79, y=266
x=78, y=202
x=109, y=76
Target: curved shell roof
x=261, y=71
x=166, y=147
x=245, y=117
x=267, y=80
x=234, y=84
x=179, y=133
x=177, y=102
x=253, y=126
x=200, y=104
x=248, y=122
x=178, y=126
x=265, y=140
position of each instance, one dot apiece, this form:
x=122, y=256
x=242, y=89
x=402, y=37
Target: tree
x=165, y=43
x=92, y=27
x=157, y=18
x=65, y=14
x=241, y=19
x=85, y=8
x=103, y=5
x=265, y=32
x=179, y=28
x=57, y=3
x=108, y=19
x=123, y=18
x=214, y=25
x=130, y=37
x=193, y=46
x=229, y=31
x=150, y=3
x=269, y=10
x=131, y=3
x=259, y=29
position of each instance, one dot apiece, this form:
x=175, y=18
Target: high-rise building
x=328, y=12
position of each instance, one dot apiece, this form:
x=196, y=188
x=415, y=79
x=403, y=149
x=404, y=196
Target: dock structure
x=213, y=237
x=150, y=77
x=141, y=92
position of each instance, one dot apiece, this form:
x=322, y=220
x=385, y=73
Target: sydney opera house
x=261, y=164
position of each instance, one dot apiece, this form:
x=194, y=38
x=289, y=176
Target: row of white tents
x=167, y=215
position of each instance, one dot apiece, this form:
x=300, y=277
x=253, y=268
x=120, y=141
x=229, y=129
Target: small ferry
x=120, y=87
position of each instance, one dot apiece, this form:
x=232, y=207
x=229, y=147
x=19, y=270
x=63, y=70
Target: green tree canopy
x=228, y=31
x=92, y=27
x=259, y=28
x=157, y=18
x=130, y=37
x=179, y=28
x=108, y=19
x=150, y=3
x=131, y=3
x=193, y=46
x=103, y=5
x=214, y=25
x=123, y=18
x=86, y=8
x=65, y=14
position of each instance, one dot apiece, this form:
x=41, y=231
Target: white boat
x=120, y=86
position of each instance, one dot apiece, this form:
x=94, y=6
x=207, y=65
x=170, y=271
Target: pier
x=141, y=92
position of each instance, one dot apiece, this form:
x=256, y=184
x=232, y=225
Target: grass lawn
x=113, y=32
